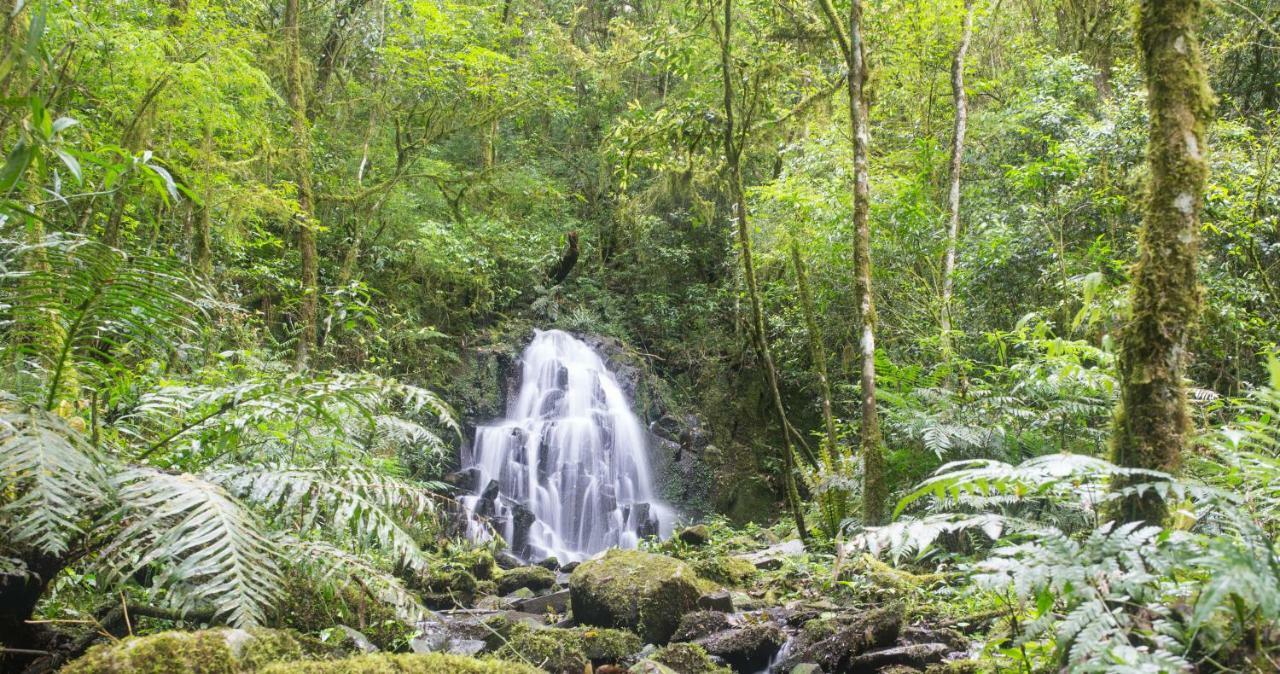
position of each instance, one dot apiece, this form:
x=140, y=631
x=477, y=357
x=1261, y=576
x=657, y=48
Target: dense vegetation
x=984, y=296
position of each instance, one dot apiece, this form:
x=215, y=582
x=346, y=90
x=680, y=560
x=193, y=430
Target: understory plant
x=1090, y=594
x=197, y=478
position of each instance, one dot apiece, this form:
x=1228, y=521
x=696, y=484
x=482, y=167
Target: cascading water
x=567, y=473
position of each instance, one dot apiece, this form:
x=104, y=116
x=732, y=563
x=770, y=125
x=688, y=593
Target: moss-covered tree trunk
x=734, y=140
x=874, y=490
x=957, y=162
x=307, y=307
x=1152, y=423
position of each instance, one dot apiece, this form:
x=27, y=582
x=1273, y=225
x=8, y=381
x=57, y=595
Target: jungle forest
x=639, y=336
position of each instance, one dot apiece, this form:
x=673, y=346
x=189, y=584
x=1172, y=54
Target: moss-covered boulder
x=568, y=651
x=636, y=590
x=216, y=651
x=748, y=648
x=447, y=588
x=683, y=659
x=699, y=624
x=534, y=578
x=379, y=663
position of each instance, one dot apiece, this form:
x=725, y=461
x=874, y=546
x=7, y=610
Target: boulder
x=698, y=624
x=431, y=663
x=522, y=519
x=716, y=601
x=917, y=656
x=681, y=659
x=641, y=591
x=550, y=563
x=555, y=601
x=535, y=578
x=746, y=649
x=568, y=651
x=215, y=650
x=833, y=646
x=696, y=536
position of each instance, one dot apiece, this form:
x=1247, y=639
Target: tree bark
x=874, y=489
x=733, y=176
x=1152, y=424
x=307, y=308
x=201, y=236
x=957, y=162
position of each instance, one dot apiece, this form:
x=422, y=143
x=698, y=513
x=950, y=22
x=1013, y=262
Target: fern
x=52, y=479
x=209, y=547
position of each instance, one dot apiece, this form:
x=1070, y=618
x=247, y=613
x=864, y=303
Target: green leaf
x=72, y=163
x=16, y=164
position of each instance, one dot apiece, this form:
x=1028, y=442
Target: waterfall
x=567, y=473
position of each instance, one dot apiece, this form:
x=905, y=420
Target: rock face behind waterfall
x=567, y=473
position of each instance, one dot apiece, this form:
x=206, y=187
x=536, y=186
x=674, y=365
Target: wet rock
x=467, y=480
x=636, y=590
x=355, y=641
x=550, y=563
x=716, y=601
x=699, y=624
x=806, y=668
x=522, y=519
x=746, y=649
x=681, y=659
x=506, y=560
x=646, y=522
x=917, y=656
x=696, y=536
x=556, y=601
x=487, y=505
x=569, y=651
x=771, y=557
x=834, y=645
x=568, y=568
x=535, y=578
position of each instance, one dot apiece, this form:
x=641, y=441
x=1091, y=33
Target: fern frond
x=50, y=478
x=210, y=549
x=341, y=568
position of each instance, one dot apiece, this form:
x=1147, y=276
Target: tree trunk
x=957, y=161
x=874, y=489
x=834, y=501
x=733, y=175
x=201, y=237
x=302, y=157
x=1153, y=423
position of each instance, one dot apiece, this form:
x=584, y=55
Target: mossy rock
x=727, y=570
x=685, y=659
x=380, y=663
x=478, y=562
x=448, y=588
x=568, y=651
x=635, y=590
x=216, y=651
x=309, y=607
x=532, y=577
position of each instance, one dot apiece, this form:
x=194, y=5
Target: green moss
x=217, y=651
x=567, y=651
x=726, y=570
x=533, y=577
x=447, y=588
x=636, y=590
x=379, y=663
x=309, y=607
x=687, y=659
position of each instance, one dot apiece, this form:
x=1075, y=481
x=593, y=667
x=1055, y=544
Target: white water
x=570, y=462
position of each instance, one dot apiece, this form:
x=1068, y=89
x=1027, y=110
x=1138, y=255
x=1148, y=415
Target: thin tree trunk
x=957, y=162
x=1153, y=422
x=874, y=489
x=201, y=238
x=733, y=174
x=302, y=157
x=833, y=501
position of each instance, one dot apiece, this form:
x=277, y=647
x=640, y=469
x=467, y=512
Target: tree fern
x=52, y=478
x=209, y=548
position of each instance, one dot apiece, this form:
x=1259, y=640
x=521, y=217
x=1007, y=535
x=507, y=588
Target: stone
x=697, y=535
x=550, y=563
x=428, y=663
x=641, y=591
x=682, y=659
x=771, y=557
x=727, y=570
x=917, y=656
x=556, y=601
x=522, y=519
x=506, y=560
x=699, y=624
x=535, y=578
x=746, y=649
x=834, y=647
x=716, y=601
x=568, y=651
x=357, y=640
x=568, y=568
x=214, y=650
x=806, y=668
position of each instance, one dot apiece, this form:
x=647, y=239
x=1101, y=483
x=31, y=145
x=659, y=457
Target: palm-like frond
x=211, y=549
x=49, y=478
x=361, y=504
x=85, y=305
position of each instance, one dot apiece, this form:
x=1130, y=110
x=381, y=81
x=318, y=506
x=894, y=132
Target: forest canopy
x=948, y=329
